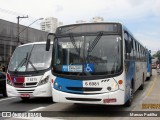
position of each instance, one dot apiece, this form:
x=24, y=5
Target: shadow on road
x=37, y=100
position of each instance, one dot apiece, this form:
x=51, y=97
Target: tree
x=156, y=55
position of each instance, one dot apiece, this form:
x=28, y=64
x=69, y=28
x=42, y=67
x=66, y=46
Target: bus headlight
x=113, y=87
x=44, y=81
x=9, y=82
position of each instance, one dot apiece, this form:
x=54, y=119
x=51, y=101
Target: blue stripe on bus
x=129, y=76
x=64, y=83
x=131, y=70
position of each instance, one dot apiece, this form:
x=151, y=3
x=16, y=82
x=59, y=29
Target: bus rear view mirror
x=150, y=51
x=49, y=41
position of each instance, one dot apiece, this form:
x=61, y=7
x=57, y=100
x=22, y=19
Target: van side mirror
x=48, y=42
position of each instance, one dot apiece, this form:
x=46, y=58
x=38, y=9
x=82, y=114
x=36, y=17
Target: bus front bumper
x=112, y=98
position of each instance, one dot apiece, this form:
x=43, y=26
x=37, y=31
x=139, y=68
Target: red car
x=154, y=66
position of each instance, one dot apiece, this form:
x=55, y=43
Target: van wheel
x=129, y=102
x=5, y=94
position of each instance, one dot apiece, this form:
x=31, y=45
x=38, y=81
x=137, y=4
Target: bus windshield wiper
x=21, y=63
x=95, y=41
x=74, y=44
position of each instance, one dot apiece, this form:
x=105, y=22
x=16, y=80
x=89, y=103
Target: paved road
x=150, y=95
x=16, y=104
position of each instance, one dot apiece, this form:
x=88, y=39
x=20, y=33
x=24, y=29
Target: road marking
x=36, y=118
x=151, y=88
x=7, y=98
x=36, y=109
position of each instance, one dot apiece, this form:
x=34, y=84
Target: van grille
x=26, y=91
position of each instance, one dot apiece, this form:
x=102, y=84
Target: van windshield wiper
x=21, y=63
x=32, y=66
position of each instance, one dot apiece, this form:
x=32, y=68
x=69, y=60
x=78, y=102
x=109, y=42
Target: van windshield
x=30, y=58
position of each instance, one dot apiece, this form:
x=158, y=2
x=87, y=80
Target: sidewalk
x=151, y=100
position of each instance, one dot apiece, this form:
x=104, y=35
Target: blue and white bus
x=29, y=71
x=96, y=63
x=149, y=63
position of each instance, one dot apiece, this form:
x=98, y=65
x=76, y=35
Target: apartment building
x=50, y=24
x=97, y=19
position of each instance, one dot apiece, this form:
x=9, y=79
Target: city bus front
x=28, y=73
x=87, y=62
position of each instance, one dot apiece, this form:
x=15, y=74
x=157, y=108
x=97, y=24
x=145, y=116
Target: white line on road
x=34, y=118
x=7, y=98
x=36, y=109
x=38, y=118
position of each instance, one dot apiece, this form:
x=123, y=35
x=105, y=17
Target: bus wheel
x=142, y=86
x=25, y=98
x=129, y=102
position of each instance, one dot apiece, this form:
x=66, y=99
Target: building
x=97, y=19
x=50, y=24
x=60, y=24
x=80, y=21
x=9, y=40
x=94, y=19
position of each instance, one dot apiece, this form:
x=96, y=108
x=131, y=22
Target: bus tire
x=148, y=78
x=142, y=86
x=129, y=101
x=25, y=98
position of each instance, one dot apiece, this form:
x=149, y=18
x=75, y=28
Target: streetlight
x=18, y=26
x=26, y=28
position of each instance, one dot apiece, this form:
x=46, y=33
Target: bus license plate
x=25, y=95
x=91, y=84
x=32, y=79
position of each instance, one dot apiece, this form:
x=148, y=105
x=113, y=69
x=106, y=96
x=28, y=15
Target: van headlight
x=44, y=81
x=9, y=82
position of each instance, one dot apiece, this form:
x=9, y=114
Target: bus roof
x=123, y=27
x=34, y=43
x=90, y=23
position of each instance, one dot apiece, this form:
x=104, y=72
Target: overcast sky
x=141, y=17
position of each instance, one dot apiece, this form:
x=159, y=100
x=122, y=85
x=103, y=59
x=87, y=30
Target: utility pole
x=18, y=27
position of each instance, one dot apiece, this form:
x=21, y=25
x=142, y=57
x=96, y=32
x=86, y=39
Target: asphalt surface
x=149, y=96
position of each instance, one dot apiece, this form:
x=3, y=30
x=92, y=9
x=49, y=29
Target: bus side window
x=134, y=49
x=126, y=39
x=131, y=45
x=137, y=51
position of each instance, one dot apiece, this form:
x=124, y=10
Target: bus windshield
x=96, y=54
x=30, y=58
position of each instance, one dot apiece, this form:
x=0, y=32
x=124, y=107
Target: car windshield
x=88, y=55
x=30, y=58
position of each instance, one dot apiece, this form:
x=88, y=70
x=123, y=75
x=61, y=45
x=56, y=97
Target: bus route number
x=91, y=83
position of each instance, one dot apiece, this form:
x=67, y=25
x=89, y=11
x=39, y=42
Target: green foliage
x=157, y=54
